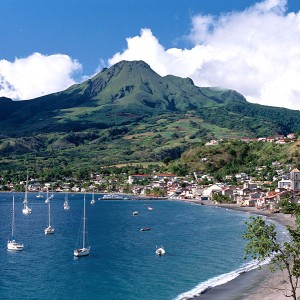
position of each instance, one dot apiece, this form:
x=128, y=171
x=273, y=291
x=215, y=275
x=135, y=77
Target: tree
x=219, y=198
x=263, y=243
x=288, y=207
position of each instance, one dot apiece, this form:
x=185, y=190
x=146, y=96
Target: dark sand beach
x=257, y=284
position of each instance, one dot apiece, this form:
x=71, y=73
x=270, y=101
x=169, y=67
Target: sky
x=250, y=46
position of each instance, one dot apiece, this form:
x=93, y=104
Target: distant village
x=196, y=187
x=277, y=139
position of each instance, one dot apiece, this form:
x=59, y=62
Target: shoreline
x=256, y=284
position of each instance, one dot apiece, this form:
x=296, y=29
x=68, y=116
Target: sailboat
x=49, y=229
x=93, y=198
x=26, y=210
x=39, y=195
x=12, y=244
x=160, y=251
x=48, y=198
x=66, y=203
x=84, y=250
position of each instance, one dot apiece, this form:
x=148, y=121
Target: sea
x=203, y=244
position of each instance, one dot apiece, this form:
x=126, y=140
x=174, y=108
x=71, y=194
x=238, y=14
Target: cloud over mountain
x=36, y=75
x=255, y=51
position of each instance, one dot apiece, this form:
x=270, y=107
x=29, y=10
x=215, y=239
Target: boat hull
x=145, y=229
x=160, y=251
x=82, y=252
x=14, y=246
x=26, y=211
x=49, y=230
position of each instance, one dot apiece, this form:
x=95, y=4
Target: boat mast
x=49, y=213
x=25, y=198
x=13, y=218
x=83, y=238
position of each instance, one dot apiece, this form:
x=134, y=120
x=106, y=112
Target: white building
x=284, y=184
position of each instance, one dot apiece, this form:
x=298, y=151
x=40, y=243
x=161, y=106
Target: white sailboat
x=160, y=251
x=49, y=229
x=39, y=195
x=85, y=249
x=12, y=244
x=26, y=210
x=48, y=198
x=66, y=203
x=93, y=198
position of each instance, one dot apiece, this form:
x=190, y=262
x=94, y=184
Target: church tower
x=295, y=180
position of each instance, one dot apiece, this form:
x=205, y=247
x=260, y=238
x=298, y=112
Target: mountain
x=129, y=113
x=127, y=92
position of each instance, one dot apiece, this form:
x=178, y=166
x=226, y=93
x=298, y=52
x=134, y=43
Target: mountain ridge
x=129, y=113
x=130, y=86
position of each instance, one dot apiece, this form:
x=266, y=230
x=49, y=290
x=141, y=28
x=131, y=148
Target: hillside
x=128, y=113
x=231, y=157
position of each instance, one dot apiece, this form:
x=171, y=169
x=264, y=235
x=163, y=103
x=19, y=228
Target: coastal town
x=199, y=188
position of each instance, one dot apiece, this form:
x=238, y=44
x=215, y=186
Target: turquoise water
x=201, y=243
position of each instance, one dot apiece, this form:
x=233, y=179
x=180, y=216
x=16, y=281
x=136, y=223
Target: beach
x=257, y=284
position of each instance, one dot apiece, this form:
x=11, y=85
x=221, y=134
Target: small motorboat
x=135, y=213
x=160, y=251
x=148, y=207
x=145, y=229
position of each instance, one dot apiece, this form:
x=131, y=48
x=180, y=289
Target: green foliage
x=178, y=169
x=235, y=156
x=297, y=133
x=219, y=198
x=287, y=206
x=263, y=244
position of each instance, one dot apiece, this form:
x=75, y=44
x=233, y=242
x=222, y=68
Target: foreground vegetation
x=263, y=243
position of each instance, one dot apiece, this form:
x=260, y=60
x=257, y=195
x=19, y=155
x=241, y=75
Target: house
x=281, y=141
x=256, y=195
x=209, y=191
x=250, y=202
x=165, y=176
x=283, y=183
x=250, y=185
x=227, y=191
x=136, y=177
x=246, y=201
x=212, y=142
x=271, y=199
x=241, y=176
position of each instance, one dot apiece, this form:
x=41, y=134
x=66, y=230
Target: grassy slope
x=130, y=113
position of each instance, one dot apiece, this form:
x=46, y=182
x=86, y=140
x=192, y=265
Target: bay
x=201, y=243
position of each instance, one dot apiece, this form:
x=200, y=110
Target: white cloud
x=255, y=51
x=36, y=75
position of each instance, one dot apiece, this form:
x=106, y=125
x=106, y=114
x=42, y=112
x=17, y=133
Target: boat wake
x=202, y=287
